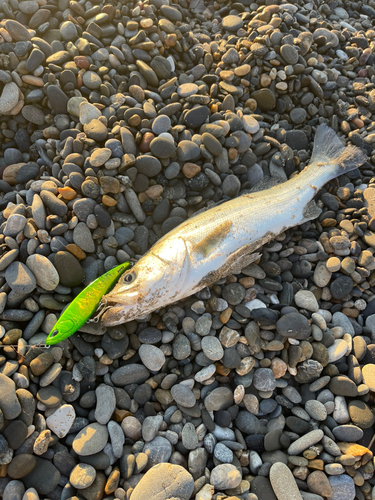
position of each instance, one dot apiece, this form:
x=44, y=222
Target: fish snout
x=115, y=315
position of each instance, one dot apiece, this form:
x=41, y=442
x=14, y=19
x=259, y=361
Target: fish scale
x=223, y=239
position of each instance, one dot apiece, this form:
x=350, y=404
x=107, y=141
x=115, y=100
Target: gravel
x=119, y=122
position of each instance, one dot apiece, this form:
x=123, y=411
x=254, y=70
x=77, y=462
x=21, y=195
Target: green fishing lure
x=84, y=305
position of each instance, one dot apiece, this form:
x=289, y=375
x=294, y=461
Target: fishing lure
x=83, y=306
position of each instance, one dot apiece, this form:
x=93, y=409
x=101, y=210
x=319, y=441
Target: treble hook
x=102, y=307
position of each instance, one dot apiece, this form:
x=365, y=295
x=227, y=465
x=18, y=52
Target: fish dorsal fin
x=265, y=183
x=211, y=241
x=213, y=205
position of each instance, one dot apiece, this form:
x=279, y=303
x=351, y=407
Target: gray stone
x=183, y=395
x=150, y=427
x=343, y=487
x=91, y=439
x=130, y=374
x=225, y=476
x=9, y=403
x=283, y=482
x=152, y=357
x=82, y=476
x=14, y=490
x=264, y=380
x=158, y=450
x=20, y=278
x=82, y=237
x=305, y=442
x=15, y=225
x=105, y=403
x=165, y=482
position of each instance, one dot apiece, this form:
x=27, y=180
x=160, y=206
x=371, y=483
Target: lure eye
x=129, y=278
x=55, y=332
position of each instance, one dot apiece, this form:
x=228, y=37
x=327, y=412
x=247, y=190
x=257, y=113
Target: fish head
x=152, y=283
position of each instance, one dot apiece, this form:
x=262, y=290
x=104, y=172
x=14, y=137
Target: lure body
x=224, y=239
x=83, y=306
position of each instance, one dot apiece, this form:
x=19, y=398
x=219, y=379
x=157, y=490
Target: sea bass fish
x=223, y=239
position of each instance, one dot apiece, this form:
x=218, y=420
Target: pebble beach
x=120, y=120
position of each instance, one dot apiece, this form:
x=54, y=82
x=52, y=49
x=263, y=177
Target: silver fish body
x=223, y=239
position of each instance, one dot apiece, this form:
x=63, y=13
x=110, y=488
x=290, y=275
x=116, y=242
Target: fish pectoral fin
x=212, y=240
x=233, y=265
x=310, y=212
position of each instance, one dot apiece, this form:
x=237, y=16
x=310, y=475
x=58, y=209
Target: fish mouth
x=114, y=315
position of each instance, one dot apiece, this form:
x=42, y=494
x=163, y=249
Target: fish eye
x=128, y=278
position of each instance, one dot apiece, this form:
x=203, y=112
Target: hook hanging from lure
x=84, y=305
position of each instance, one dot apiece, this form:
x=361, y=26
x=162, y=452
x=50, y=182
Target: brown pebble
x=154, y=192
x=170, y=40
x=351, y=312
x=109, y=201
x=279, y=367
x=310, y=454
x=247, y=282
x=82, y=62
x=225, y=315
x=76, y=251
x=10, y=173
x=358, y=122
x=316, y=464
x=33, y=80
x=112, y=481
x=222, y=370
x=318, y=483
x=232, y=153
x=190, y=170
x=329, y=222
x=134, y=120
x=119, y=415
x=41, y=363
x=356, y=450
x=67, y=193
x=21, y=465
x=12, y=336
x=144, y=146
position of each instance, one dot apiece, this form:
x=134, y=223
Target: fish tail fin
x=329, y=150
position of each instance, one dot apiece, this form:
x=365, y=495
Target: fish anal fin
x=310, y=212
x=244, y=261
x=213, y=239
